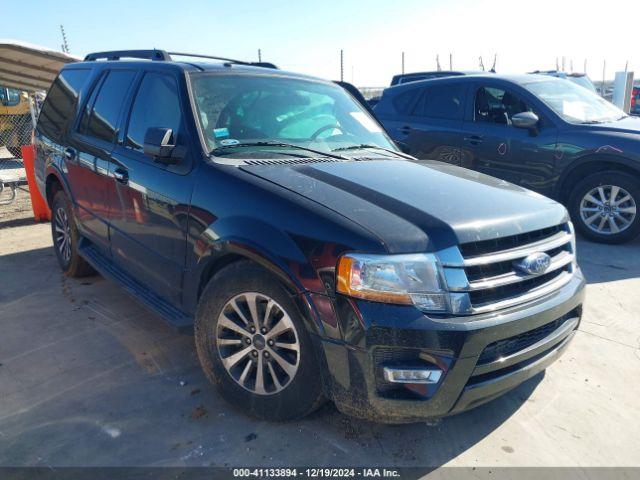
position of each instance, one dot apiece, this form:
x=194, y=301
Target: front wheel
x=603, y=207
x=254, y=346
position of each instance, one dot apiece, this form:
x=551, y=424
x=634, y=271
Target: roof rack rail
x=160, y=55
x=225, y=59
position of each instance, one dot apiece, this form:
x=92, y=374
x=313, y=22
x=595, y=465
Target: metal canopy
x=30, y=67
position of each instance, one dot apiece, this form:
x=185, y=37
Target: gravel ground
x=89, y=377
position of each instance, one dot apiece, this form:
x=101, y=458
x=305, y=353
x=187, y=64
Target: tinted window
x=404, y=101
x=102, y=120
x=494, y=105
x=445, y=102
x=156, y=105
x=60, y=101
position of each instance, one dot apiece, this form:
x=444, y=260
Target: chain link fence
x=15, y=131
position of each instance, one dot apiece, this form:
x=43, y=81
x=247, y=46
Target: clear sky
x=307, y=36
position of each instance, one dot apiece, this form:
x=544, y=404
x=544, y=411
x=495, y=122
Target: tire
x=604, y=221
x=244, y=283
x=63, y=226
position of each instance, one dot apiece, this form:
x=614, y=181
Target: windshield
x=574, y=103
x=583, y=81
x=236, y=110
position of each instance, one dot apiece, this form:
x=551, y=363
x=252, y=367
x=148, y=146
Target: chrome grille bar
x=555, y=241
x=489, y=282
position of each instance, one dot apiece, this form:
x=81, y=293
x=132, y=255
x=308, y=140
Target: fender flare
x=55, y=171
x=591, y=158
x=237, y=238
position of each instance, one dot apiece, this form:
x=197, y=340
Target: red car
x=635, y=101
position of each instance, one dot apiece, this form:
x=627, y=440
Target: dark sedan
x=541, y=132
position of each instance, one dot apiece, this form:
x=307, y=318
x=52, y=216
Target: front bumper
x=481, y=357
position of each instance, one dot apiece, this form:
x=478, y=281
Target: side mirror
x=528, y=120
x=157, y=145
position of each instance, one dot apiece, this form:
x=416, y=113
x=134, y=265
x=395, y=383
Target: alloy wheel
x=63, y=234
x=608, y=209
x=258, y=343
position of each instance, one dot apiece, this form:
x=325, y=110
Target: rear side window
x=101, y=115
x=446, y=102
x=156, y=105
x=59, y=104
x=404, y=101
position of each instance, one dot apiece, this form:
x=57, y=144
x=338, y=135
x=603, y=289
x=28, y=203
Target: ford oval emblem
x=535, y=264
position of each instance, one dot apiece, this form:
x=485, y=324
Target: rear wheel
x=603, y=207
x=253, y=345
x=65, y=238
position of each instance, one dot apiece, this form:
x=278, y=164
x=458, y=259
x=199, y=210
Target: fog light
x=412, y=375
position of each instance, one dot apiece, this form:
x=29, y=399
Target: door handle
x=406, y=129
x=121, y=175
x=69, y=153
x=474, y=139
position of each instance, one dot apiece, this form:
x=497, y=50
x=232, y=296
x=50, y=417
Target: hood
x=628, y=125
x=418, y=207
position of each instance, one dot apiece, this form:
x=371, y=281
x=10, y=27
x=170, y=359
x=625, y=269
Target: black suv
x=541, y=132
x=315, y=259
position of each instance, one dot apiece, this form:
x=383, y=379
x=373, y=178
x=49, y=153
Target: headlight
x=402, y=279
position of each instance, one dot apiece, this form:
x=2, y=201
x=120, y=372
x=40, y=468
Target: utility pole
x=481, y=63
x=403, y=63
x=604, y=68
x=495, y=60
x=450, y=61
x=557, y=65
x=259, y=55
x=438, y=63
x=65, y=45
x=342, y=65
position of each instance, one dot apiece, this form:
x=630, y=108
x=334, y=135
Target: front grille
x=485, y=277
x=509, y=346
x=504, y=243
x=491, y=295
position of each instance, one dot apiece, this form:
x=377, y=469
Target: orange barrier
x=41, y=212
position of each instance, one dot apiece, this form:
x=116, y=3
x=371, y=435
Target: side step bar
x=107, y=268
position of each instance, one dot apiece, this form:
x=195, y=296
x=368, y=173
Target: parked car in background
x=417, y=76
x=635, y=101
x=578, y=78
x=316, y=260
x=537, y=131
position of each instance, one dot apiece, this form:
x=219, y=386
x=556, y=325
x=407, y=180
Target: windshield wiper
x=276, y=144
x=591, y=122
x=363, y=146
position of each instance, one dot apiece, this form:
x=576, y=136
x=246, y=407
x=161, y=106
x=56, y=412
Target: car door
x=148, y=233
x=88, y=154
x=494, y=146
x=435, y=129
